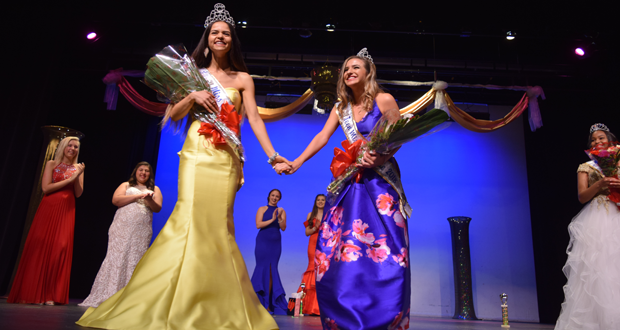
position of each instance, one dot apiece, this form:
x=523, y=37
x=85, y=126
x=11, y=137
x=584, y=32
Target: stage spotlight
x=242, y=24
x=92, y=37
x=511, y=35
x=330, y=27
x=580, y=52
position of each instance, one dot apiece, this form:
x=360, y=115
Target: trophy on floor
x=504, y=298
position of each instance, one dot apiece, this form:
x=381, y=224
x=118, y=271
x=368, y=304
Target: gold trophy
x=504, y=298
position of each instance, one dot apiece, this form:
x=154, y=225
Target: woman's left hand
x=372, y=159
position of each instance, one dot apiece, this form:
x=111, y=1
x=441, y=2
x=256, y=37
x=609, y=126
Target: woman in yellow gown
x=193, y=276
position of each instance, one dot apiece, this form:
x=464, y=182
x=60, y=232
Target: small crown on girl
x=219, y=14
x=364, y=54
x=598, y=127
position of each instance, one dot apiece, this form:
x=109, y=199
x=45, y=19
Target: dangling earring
x=206, y=51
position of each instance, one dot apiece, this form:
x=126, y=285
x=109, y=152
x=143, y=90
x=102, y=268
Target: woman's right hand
x=206, y=100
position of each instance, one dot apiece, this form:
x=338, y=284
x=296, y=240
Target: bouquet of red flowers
x=174, y=74
x=383, y=138
x=606, y=156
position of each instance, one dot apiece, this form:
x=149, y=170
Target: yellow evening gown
x=193, y=276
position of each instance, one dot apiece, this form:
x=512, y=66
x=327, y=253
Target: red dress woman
x=45, y=265
x=312, y=224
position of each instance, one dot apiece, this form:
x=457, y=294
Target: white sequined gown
x=129, y=237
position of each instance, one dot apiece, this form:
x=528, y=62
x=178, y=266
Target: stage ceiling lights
x=92, y=36
x=330, y=27
x=511, y=35
x=243, y=24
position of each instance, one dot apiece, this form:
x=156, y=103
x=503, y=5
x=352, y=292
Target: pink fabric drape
x=116, y=82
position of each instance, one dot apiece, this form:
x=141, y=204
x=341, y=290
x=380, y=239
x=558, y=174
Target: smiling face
x=220, y=39
x=143, y=174
x=72, y=149
x=274, y=197
x=320, y=202
x=598, y=138
x=354, y=72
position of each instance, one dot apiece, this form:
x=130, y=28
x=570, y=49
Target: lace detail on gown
x=129, y=238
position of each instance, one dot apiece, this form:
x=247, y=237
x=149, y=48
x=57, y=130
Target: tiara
x=598, y=127
x=364, y=54
x=219, y=14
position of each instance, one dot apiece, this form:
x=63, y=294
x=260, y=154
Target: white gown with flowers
x=592, y=292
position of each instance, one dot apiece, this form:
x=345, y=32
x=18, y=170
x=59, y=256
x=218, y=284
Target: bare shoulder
x=244, y=78
x=51, y=162
x=308, y=216
x=385, y=98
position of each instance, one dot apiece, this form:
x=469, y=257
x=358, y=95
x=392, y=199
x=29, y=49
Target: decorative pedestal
x=461, y=263
x=51, y=138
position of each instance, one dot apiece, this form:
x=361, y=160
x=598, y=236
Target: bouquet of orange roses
x=606, y=156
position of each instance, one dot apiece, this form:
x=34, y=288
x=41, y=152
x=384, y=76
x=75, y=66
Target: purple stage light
x=579, y=51
x=91, y=36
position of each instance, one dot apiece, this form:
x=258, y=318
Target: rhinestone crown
x=364, y=54
x=598, y=127
x=219, y=14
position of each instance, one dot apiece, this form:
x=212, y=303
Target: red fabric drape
x=144, y=105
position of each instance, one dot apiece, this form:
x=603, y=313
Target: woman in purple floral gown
x=362, y=255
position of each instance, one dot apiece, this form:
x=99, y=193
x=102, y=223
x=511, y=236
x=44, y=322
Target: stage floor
x=34, y=317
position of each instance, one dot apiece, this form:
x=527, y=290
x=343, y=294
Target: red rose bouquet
x=383, y=138
x=606, y=156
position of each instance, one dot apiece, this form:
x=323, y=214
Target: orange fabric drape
x=270, y=115
x=484, y=126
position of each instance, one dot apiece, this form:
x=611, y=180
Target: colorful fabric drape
x=437, y=94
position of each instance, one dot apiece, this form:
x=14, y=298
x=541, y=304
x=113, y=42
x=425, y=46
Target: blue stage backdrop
x=451, y=173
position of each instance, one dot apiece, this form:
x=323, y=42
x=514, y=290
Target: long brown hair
x=235, y=59
x=371, y=87
x=150, y=183
x=315, y=209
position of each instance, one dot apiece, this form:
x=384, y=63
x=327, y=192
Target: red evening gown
x=45, y=265
x=311, y=305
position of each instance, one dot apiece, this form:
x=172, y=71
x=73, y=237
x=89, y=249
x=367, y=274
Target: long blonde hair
x=371, y=87
x=60, y=150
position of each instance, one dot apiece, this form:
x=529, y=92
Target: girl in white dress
x=592, y=292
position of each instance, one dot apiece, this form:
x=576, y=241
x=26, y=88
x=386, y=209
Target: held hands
x=288, y=168
x=206, y=100
x=281, y=164
x=372, y=159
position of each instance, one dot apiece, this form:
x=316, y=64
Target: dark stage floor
x=34, y=317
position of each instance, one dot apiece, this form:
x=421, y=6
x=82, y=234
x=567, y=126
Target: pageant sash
x=216, y=88
x=388, y=171
x=218, y=91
